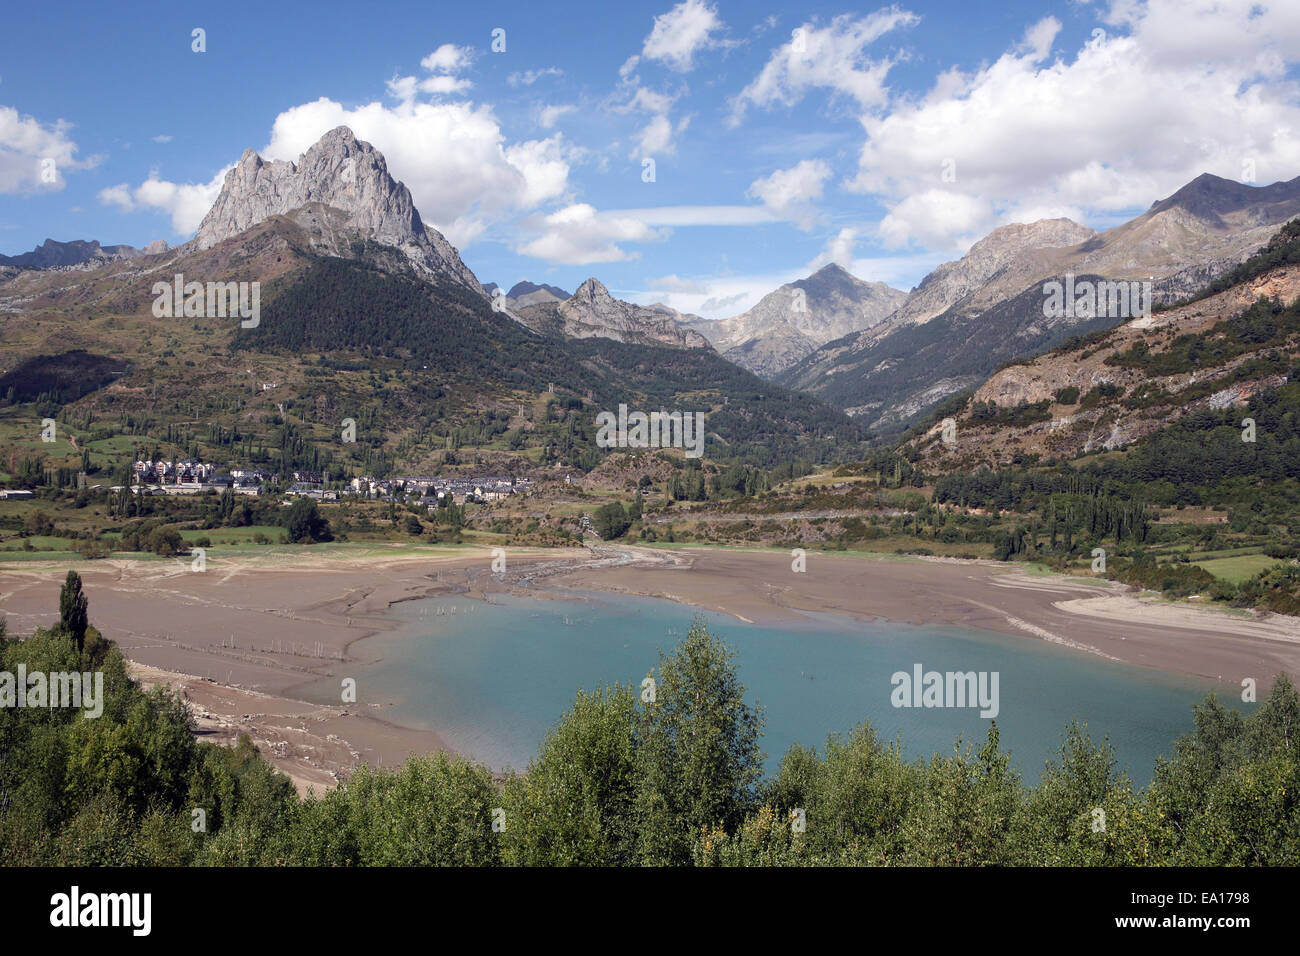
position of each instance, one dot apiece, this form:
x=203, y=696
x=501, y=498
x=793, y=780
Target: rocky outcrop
x=1181, y=242
x=593, y=312
x=999, y=265
x=343, y=173
x=1084, y=425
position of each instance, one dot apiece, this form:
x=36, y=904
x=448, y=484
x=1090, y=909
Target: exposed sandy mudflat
x=242, y=639
x=1090, y=615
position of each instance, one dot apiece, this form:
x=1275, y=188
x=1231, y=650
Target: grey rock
x=593, y=312
x=343, y=173
x=775, y=335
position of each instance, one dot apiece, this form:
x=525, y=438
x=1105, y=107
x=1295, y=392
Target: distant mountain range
x=969, y=316
x=1117, y=386
x=530, y=293
x=591, y=312
x=791, y=322
x=369, y=313
x=881, y=354
x=77, y=253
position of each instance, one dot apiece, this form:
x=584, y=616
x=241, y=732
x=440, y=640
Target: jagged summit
x=990, y=301
x=592, y=312
x=832, y=270
x=77, y=253
x=344, y=173
x=592, y=292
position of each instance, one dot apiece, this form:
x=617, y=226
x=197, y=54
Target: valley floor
x=242, y=640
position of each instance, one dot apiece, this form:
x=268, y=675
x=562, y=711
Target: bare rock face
x=1005, y=259
x=1194, y=236
x=344, y=173
x=1181, y=242
x=793, y=321
x=593, y=312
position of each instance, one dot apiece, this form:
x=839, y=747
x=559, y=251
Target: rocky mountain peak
x=993, y=295
x=792, y=321
x=344, y=173
x=999, y=265
x=592, y=291
x=832, y=269
x=592, y=312
x=1019, y=236
x=1211, y=197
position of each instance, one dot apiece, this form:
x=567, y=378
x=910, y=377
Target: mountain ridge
x=784, y=327
x=1181, y=243
x=593, y=312
x=88, y=253
x=344, y=173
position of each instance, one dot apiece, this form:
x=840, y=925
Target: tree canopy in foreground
x=628, y=778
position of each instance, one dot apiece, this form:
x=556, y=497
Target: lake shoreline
x=240, y=641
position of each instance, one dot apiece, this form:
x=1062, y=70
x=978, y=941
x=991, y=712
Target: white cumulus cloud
x=832, y=57
x=550, y=115
x=529, y=77
x=659, y=132
x=443, y=64
x=448, y=58
x=579, y=235
x=35, y=156
x=681, y=33
x=186, y=203
x=839, y=250
x=675, y=283
x=1172, y=89
x=790, y=193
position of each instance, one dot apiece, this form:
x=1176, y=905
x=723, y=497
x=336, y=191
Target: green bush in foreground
x=669, y=775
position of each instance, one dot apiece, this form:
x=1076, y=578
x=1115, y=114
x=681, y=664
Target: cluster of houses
x=433, y=492
x=187, y=471
x=190, y=476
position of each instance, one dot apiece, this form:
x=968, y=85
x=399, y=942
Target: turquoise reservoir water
x=493, y=677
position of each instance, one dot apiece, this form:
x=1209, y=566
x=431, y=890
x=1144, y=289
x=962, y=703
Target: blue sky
x=783, y=136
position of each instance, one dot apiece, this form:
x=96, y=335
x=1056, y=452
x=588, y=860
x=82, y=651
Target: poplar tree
x=72, y=609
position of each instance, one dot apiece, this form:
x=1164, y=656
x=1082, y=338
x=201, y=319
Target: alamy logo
x=133, y=910
x=84, y=691
x=656, y=430
x=213, y=300
x=1086, y=299
x=950, y=689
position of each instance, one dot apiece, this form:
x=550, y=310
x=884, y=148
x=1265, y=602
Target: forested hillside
x=348, y=311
